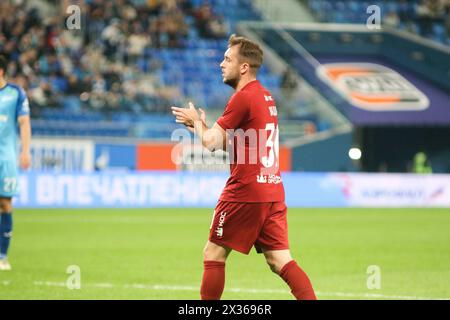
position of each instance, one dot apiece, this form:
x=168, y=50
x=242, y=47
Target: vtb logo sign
x=219, y=230
x=373, y=87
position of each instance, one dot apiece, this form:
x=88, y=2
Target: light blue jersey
x=13, y=104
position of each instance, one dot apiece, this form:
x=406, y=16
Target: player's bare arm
x=213, y=138
x=25, y=139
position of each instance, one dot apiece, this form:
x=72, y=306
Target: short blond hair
x=250, y=51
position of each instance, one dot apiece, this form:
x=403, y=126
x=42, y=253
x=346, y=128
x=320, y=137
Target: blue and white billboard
x=172, y=189
x=62, y=155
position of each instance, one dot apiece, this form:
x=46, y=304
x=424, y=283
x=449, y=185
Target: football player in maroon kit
x=251, y=210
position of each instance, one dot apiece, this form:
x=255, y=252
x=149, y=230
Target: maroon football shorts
x=241, y=225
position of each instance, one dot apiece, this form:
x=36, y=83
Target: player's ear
x=245, y=67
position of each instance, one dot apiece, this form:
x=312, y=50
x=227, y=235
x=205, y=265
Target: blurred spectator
x=44, y=96
x=74, y=86
x=99, y=85
x=436, y=8
x=137, y=42
x=288, y=82
x=210, y=25
x=429, y=12
x=392, y=19
x=424, y=17
x=404, y=13
x=113, y=38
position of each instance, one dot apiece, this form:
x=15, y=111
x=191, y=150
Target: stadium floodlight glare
x=355, y=153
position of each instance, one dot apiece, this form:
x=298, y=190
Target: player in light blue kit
x=14, y=112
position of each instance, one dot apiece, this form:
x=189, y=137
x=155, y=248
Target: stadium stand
x=427, y=18
x=124, y=66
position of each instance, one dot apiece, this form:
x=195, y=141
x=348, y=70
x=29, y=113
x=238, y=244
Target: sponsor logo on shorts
x=373, y=87
x=219, y=229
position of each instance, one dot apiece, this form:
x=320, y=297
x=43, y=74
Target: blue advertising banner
x=172, y=189
x=108, y=155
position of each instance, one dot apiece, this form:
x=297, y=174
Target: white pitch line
x=49, y=284
x=161, y=287
x=376, y=296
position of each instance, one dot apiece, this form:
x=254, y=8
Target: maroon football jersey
x=251, y=122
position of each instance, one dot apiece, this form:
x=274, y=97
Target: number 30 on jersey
x=272, y=143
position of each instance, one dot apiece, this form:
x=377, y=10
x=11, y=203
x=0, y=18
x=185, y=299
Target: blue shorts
x=9, y=180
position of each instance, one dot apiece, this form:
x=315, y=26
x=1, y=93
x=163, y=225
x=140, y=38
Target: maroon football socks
x=298, y=281
x=213, y=280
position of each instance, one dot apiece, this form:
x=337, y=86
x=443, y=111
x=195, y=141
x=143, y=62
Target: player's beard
x=232, y=81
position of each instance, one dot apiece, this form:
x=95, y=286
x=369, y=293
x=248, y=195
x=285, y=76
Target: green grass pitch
x=157, y=254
